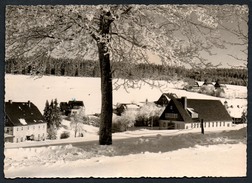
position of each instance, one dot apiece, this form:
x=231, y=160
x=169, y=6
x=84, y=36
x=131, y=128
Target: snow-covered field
x=225, y=160
x=20, y=88
x=67, y=160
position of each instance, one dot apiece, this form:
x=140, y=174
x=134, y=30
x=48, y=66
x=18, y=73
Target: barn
x=183, y=113
x=23, y=121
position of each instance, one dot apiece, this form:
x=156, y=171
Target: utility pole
x=202, y=126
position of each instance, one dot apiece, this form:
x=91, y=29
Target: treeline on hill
x=90, y=68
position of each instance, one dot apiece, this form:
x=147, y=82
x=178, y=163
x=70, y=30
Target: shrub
x=207, y=89
x=219, y=92
x=123, y=122
x=64, y=135
x=148, y=115
x=51, y=133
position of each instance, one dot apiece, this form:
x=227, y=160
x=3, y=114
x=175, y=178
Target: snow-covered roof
x=22, y=113
x=235, y=112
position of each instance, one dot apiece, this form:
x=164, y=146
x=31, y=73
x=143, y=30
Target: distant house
x=165, y=99
x=236, y=113
x=23, y=121
x=183, y=113
x=121, y=107
x=72, y=107
x=194, y=87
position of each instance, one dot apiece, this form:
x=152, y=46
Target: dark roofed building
x=183, y=113
x=23, y=121
x=71, y=107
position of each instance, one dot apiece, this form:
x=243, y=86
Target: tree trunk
x=106, y=93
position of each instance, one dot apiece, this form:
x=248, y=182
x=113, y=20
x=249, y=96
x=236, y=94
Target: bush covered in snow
x=123, y=122
x=148, y=115
x=210, y=90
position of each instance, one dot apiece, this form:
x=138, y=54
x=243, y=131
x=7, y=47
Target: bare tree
x=117, y=33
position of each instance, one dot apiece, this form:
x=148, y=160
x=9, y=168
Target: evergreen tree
x=57, y=114
x=52, y=117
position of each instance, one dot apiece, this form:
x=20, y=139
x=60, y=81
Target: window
x=38, y=126
x=209, y=124
x=21, y=128
x=192, y=125
x=27, y=127
x=205, y=125
x=17, y=140
x=220, y=123
x=216, y=124
x=171, y=115
x=21, y=140
x=212, y=124
x=17, y=128
x=33, y=127
x=7, y=130
x=223, y=123
x=228, y=125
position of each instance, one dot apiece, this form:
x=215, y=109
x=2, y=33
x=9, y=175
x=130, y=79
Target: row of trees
x=225, y=75
x=89, y=68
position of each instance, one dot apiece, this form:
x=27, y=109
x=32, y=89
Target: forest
x=90, y=68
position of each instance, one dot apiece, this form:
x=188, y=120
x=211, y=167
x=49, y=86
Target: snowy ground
x=191, y=162
x=70, y=160
x=221, y=154
x=38, y=90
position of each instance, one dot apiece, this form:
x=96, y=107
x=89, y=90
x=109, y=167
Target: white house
x=23, y=121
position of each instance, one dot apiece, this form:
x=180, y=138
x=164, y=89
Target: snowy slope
x=39, y=89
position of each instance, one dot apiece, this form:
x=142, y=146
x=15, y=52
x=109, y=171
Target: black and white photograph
x=126, y=91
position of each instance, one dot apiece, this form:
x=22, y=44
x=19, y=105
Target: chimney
x=184, y=102
x=10, y=101
x=29, y=103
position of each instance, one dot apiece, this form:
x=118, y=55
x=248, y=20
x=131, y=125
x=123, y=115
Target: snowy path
x=93, y=136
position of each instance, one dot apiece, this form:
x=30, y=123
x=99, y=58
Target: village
x=125, y=90
x=25, y=122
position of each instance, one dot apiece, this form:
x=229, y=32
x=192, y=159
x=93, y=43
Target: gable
x=175, y=106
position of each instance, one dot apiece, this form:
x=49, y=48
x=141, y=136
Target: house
x=23, y=121
x=165, y=99
x=121, y=107
x=72, y=107
x=183, y=113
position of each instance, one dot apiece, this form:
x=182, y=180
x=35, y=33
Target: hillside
x=21, y=88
